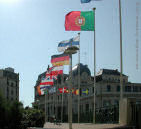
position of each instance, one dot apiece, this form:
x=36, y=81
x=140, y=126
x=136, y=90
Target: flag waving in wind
x=59, y=60
x=55, y=71
x=79, y=21
x=85, y=1
x=62, y=46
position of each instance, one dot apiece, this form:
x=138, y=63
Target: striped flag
x=48, y=81
x=59, y=60
x=55, y=70
x=62, y=46
x=76, y=92
x=41, y=89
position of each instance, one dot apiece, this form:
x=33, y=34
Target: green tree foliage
x=10, y=114
x=33, y=117
x=14, y=116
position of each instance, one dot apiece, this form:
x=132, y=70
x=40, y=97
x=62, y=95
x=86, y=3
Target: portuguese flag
x=79, y=21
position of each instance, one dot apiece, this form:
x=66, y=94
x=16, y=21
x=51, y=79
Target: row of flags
x=74, y=21
x=74, y=91
x=52, y=89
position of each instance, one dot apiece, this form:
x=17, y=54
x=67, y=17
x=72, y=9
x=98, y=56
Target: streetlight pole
x=70, y=95
x=70, y=50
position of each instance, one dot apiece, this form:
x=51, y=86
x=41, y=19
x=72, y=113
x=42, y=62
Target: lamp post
x=70, y=50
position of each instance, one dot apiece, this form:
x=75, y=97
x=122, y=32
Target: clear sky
x=30, y=31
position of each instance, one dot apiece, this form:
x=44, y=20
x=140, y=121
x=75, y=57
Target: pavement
x=48, y=125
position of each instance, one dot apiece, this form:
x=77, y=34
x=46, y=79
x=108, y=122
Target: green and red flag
x=79, y=21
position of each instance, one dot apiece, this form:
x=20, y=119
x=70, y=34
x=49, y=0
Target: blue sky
x=30, y=31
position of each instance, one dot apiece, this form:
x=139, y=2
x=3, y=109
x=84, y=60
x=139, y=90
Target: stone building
x=107, y=91
x=9, y=84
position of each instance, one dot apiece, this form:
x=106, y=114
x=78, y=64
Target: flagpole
x=62, y=107
x=121, y=64
x=45, y=105
x=56, y=99
x=62, y=99
x=79, y=81
x=94, y=109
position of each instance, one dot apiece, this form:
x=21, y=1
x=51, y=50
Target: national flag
x=85, y=1
x=52, y=90
x=62, y=46
x=63, y=90
x=85, y=91
x=79, y=21
x=55, y=70
x=76, y=92
x=59, y=60
x=48, y=81
x=41, y=89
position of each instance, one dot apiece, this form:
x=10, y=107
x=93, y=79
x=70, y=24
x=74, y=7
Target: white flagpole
x=94, y=114
x=79, y=80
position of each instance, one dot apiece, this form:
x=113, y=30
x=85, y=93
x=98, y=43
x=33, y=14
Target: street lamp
x=70, y=50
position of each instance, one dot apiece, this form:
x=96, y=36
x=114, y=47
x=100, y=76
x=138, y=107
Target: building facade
x=107, y=91
x=9, y=84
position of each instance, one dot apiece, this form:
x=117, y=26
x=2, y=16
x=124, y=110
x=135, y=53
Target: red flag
x=63, y=90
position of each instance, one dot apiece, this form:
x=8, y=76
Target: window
x=106, y=102
x=108, y=88
x=93, y=90
x=12, y=84
x=87, y=107
x=140, y=89
x=128, y=88
x=116, y=102
x=12, y=92
x=135, y=89
x=118, y=88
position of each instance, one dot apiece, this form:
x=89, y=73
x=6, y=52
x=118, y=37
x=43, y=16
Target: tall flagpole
x=79, y=80
x=45, y=105
x=121, y=64
x=94, y=114
x=62, y=99
x=62, y=107
x=57, y=99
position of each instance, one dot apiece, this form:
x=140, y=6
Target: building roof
x=109, y=72
x=83, y=68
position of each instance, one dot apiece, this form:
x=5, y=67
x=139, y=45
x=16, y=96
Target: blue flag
x=85, y=1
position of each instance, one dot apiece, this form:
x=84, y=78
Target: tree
x=33, y=117
x=10, y=113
